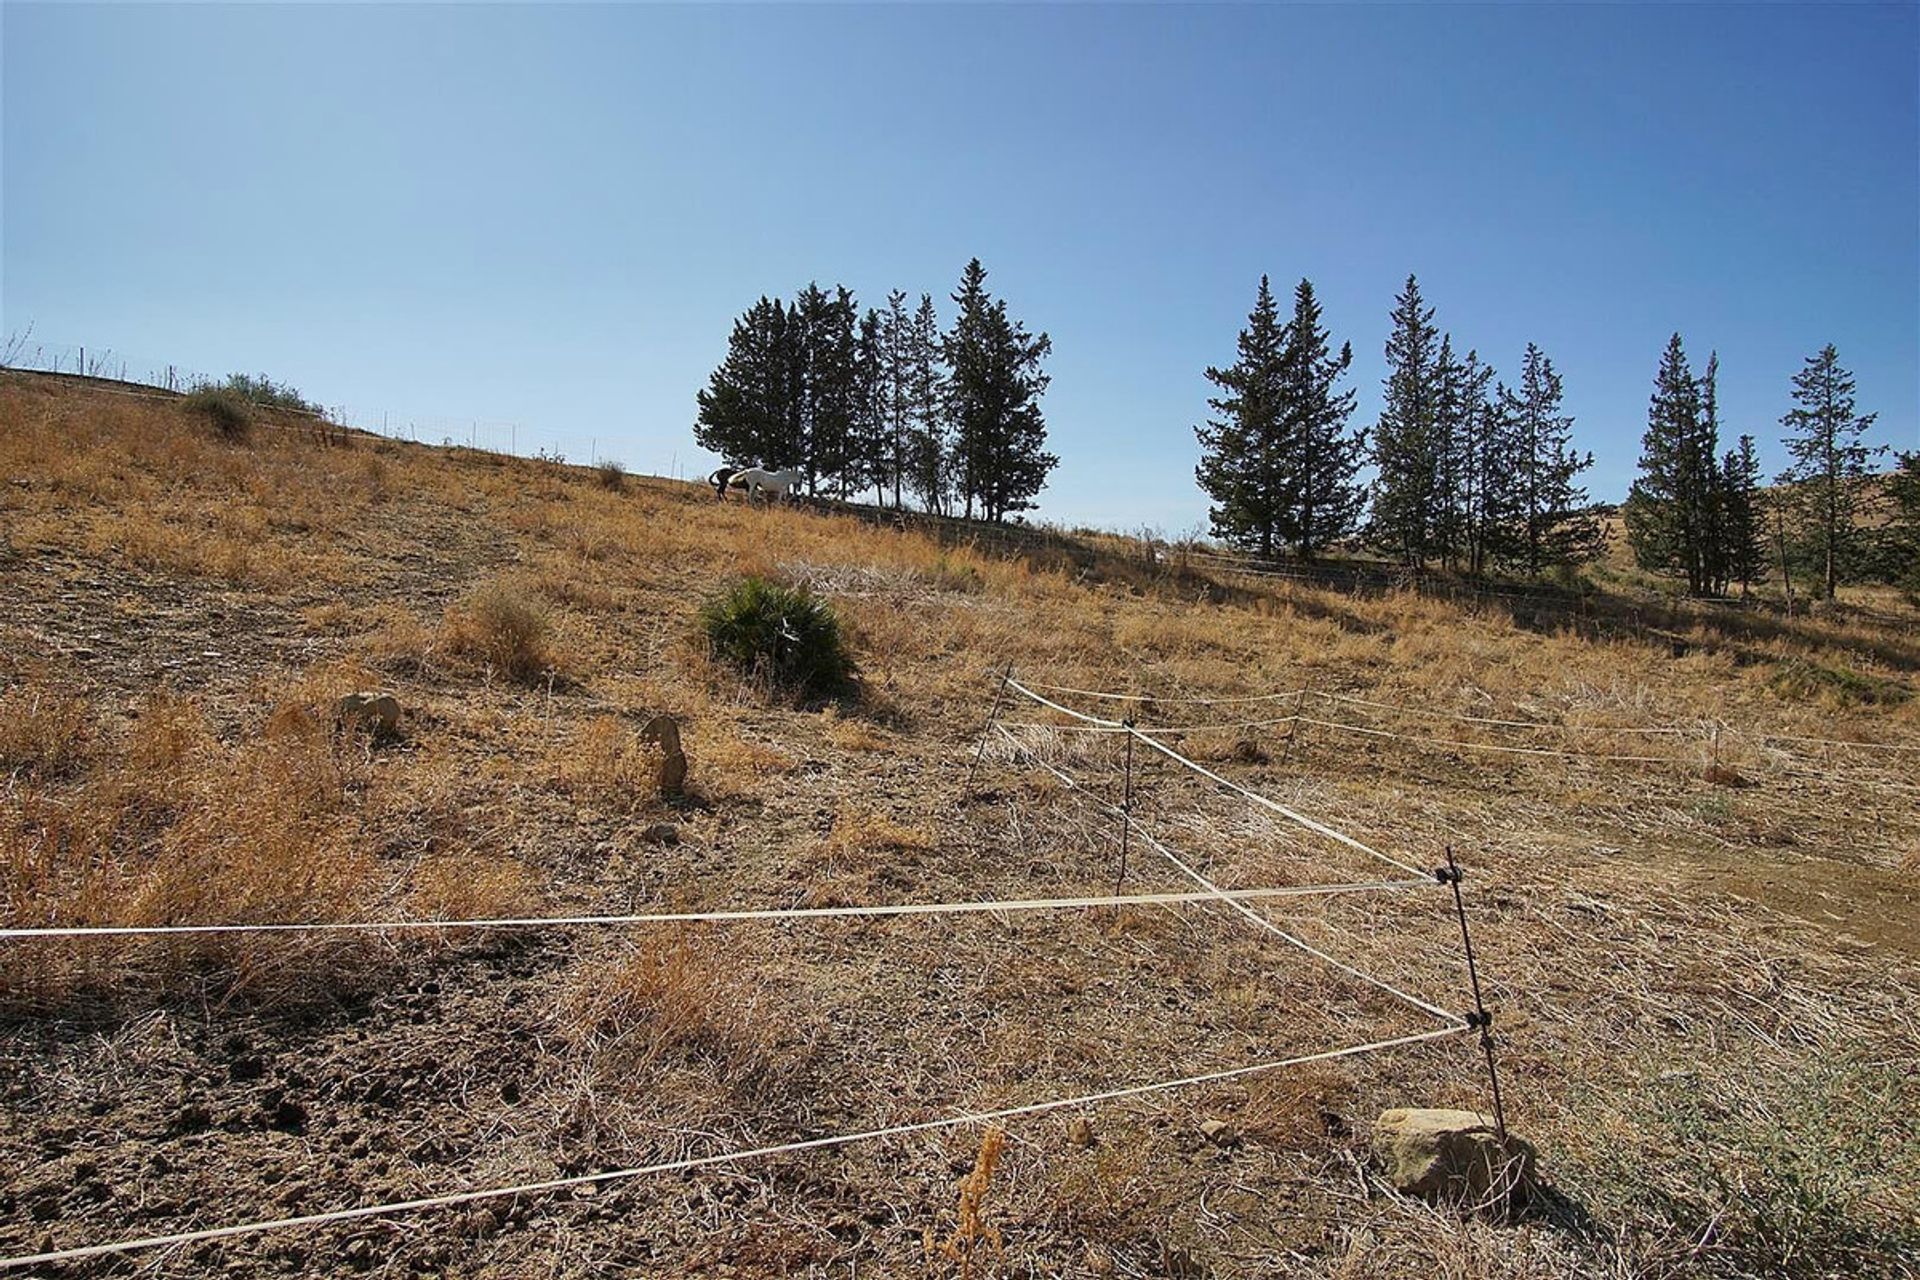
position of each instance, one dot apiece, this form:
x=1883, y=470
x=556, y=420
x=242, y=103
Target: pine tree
x=829, y=389
x=747, y=413
x=1667, y=510
x=1553, y=526
x=1829, y=461
x=1903, y=519
x=929, y=450
x=894, y=390
x=993, y=400
x=1450, y=449
x=1240, y=449
x=1485, y=478
x=1718, y=493
x=873, y=437
x=1744, y=517
x=1319, y=502
x=1404, y=441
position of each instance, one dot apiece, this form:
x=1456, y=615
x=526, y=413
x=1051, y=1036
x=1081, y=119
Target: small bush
x=226, y=411
x=502, y=627
x=779, y=634
x=261, y=390
x=612, y=476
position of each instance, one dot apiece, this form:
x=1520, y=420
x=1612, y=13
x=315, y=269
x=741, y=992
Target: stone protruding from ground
x=665, y=730
x=378, y=712
x=1454, y=1156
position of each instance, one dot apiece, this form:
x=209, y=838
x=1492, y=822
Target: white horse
x=758, y=480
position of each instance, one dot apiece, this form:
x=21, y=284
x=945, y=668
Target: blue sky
x=548, y=215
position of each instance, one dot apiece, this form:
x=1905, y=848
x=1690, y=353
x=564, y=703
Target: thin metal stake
x=1480, y=1017
x=1299, y=709
x=986, y=731
x=1126, y=811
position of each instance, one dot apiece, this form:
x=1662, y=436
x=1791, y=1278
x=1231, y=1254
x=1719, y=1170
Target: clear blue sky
x=549, y=215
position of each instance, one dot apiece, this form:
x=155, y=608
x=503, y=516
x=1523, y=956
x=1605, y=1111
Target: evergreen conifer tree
x=1318, y=501
x=1743, y=517
x=1240, y=448
x=993, y=399
x=1829, y=462
x=1553, y=526
x=746, y=414
x=1405, y=439
x=1668, y=508
x=929, y=448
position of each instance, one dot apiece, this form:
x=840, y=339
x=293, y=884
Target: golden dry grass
x=1751, y=934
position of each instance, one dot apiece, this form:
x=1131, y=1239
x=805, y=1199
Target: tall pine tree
x=1479, y=442
x=993, y=398
x=1319, y=500
x=1405, y=441
x=1240, y=448
x=1554, y=528
x=1668, y=508
x=1829, y=462
x=1743, y=517
x=930, y=470
x=747, y=413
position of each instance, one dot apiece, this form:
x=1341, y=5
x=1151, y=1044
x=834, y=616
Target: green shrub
x=261, y=390
x=226, y=411
x=779, y=634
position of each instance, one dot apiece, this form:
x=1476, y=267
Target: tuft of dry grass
x=504, y=628
x=674, y=999
x=43, y=731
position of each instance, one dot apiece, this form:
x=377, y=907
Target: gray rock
x=1445, y=1155
x=662, y=833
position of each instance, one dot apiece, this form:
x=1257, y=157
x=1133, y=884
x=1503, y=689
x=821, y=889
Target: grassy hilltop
x=1702, y=959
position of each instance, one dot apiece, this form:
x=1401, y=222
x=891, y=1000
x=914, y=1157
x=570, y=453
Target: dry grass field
x=1702, y=962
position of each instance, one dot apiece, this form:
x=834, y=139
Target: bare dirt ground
x=1703, y=966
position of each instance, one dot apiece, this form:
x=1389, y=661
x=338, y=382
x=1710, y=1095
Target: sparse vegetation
x=224, y=410
x=1699, y=987
x=499, y=625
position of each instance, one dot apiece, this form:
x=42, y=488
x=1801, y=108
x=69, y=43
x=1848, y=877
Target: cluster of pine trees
x=1697, y=514
x=1693, y=512
x=1470, y=473
x=886, y=400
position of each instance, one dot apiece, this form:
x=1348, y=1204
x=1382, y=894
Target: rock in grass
x=1220, y=1133
x=1445, y=1155
x=378, y=712
x=662, y=833
x=1080, y=1132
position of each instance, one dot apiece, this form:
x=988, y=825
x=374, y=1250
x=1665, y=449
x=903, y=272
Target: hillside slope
x=1698, y=938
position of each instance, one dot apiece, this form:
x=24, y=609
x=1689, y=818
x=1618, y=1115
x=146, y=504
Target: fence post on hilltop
x=986, y=730
x=1450, y=874
x=1126, y=810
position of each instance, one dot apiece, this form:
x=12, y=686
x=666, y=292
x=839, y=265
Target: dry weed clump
x=165, y=827
x=502, y=627
x=469, y=886
x=43, y=731
x=606, y=761
x=676, y=1002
